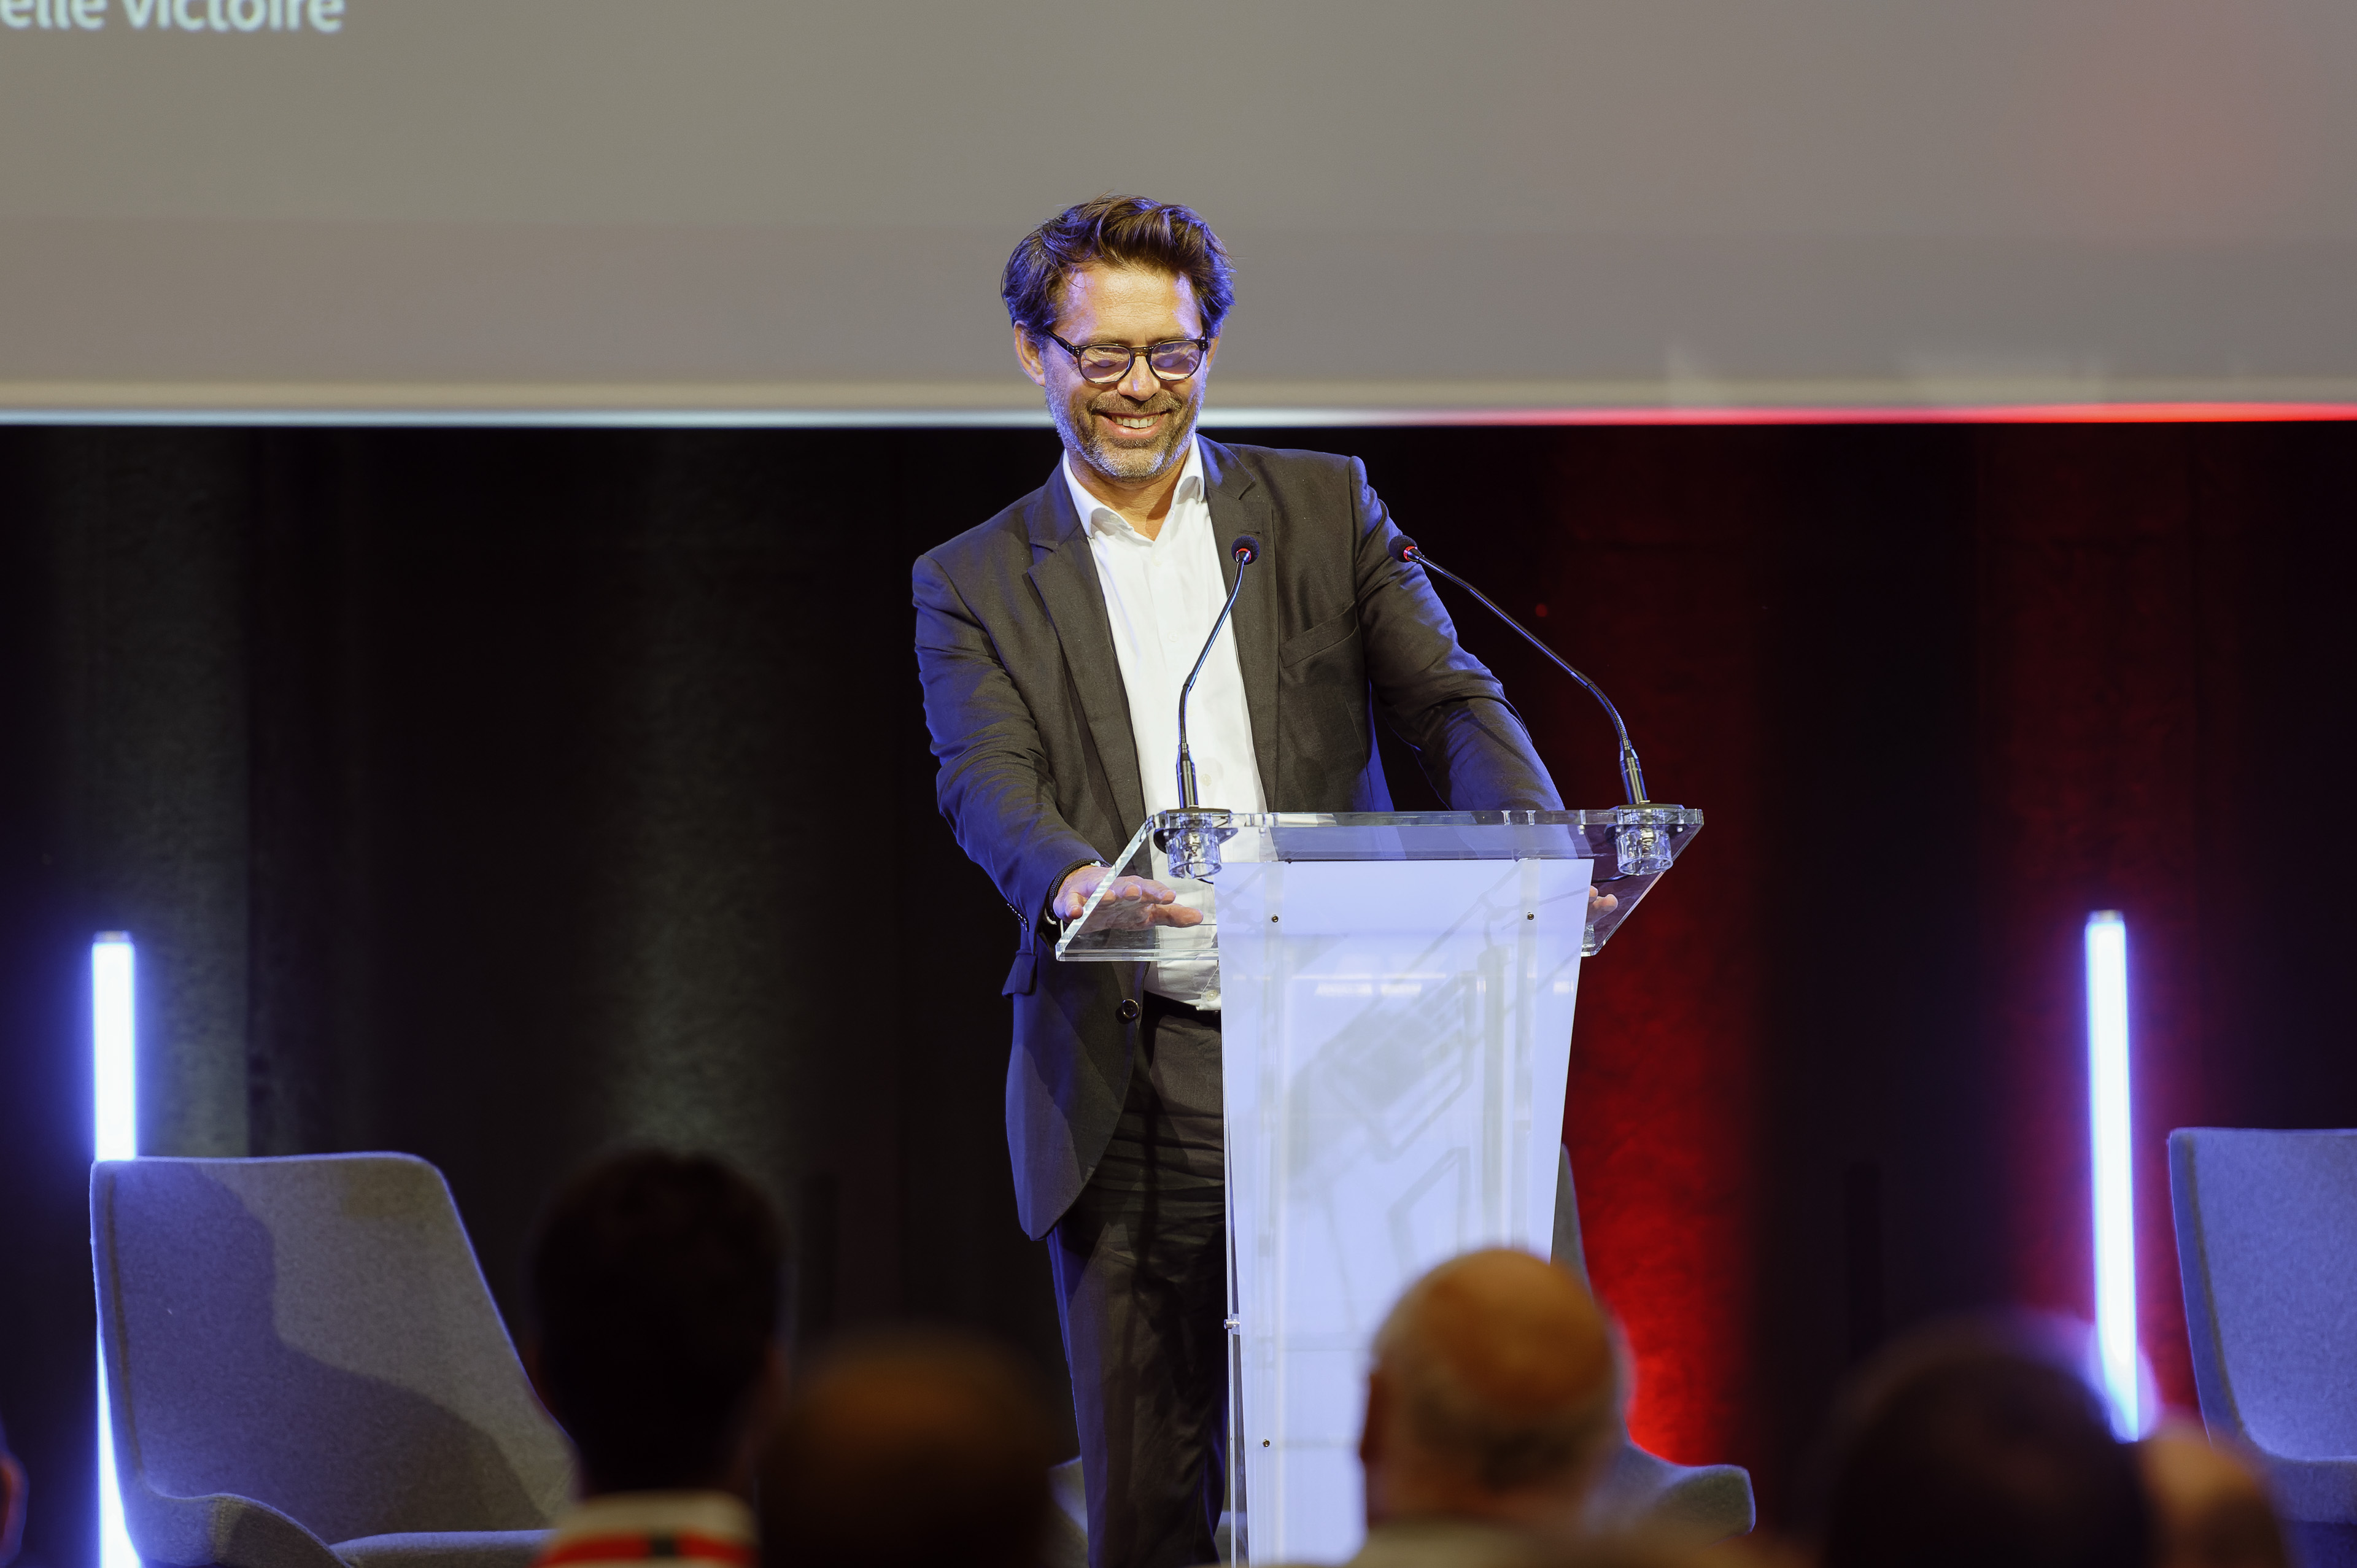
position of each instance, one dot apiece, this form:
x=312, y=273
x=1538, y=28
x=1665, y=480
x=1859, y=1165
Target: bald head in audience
x=908, y=1452
x=1494, y=1398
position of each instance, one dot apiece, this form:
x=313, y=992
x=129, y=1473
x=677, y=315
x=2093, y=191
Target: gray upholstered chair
x=2266, y=1250
x=1709, y=1501
x=306, y=1370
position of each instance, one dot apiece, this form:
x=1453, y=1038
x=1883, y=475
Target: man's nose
x=1139, y=379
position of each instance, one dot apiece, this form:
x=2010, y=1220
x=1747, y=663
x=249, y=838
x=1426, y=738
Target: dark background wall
x=500, y=796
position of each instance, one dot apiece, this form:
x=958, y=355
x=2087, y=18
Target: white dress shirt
x=1161, y=596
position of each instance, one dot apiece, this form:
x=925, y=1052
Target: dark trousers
x=1141, y=1268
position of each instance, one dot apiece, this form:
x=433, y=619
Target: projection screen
x=772, y=211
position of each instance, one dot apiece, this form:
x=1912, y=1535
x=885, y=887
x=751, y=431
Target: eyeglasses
x=1103, y=364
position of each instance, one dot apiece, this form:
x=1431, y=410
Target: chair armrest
x=222, y=1530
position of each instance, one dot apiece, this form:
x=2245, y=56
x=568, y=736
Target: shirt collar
x=1191, y=488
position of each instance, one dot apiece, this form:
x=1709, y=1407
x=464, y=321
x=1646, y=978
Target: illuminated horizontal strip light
x=1287, y=416
x=461, y=411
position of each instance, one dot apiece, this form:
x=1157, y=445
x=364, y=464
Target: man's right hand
x=1130, y=903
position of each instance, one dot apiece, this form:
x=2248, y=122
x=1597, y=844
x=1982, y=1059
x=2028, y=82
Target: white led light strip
x=114, y=1074
x=2111, y=1158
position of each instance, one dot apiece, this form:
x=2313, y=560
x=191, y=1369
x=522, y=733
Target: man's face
x=1134, y=429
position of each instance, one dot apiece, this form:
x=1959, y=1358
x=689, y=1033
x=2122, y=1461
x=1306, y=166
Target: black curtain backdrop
x=504, y=796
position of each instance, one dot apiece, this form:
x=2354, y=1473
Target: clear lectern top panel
x=1632, y=846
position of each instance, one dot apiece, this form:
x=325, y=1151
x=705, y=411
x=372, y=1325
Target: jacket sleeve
x=1438, y=698
x=993, y=784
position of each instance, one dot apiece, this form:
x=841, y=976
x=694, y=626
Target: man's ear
x=13, y=1488
x=1027, y=352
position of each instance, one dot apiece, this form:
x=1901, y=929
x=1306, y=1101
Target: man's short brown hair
x=1124, y=232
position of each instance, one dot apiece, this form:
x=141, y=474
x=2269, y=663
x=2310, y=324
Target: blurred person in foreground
x=2212, y=1510
x=906, y=1452
x=13, y=1488
x=1493, y=1405
x=1971, y=1444
x=655, y=1283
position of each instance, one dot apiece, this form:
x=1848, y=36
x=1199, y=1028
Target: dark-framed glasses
x=1103, y=364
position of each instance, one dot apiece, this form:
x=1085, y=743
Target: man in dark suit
x=1052, y=642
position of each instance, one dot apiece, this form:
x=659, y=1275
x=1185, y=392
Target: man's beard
x=1076, y=422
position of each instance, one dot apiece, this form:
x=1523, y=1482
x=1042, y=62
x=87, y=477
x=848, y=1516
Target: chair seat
x=445, y=1549
x=1710, y=1502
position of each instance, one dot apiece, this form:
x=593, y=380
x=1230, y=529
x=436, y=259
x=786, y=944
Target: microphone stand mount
x=1642, y=835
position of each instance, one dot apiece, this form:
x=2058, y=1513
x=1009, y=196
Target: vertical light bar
x=114, y=1041
x=114, y=1069
x=2111, y=1152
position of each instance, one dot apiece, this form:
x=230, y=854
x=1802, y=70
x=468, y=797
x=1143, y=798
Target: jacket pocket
x=1022, y=975
x=1318, y=639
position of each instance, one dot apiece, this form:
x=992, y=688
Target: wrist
x=1059, y=907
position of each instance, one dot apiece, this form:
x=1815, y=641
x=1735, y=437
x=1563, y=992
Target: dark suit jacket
x=1038, y=771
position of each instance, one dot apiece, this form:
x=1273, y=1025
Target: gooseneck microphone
x=1192, y=835
x=1246, y=550
x=1632, y=774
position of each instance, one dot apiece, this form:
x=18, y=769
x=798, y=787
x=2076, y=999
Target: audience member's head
x=1494, y=1397
x=2212, y=1510
x=656, y=1282
x=12, y=1502
x=905, y=1453
x=1971, y=1444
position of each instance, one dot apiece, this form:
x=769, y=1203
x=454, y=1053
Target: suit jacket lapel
x=1239, y=505
x=1064, y=571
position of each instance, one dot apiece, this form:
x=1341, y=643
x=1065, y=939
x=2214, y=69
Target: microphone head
x=1404, y=549
x=1244, y=548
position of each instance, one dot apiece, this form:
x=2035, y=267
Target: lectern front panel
x=1396, y=1036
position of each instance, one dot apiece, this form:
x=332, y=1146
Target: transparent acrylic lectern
x=1396, y=991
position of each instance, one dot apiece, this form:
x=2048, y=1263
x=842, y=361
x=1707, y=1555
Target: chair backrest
x=2266, y=1248
x=314, y=1334
x=1569, y=1252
